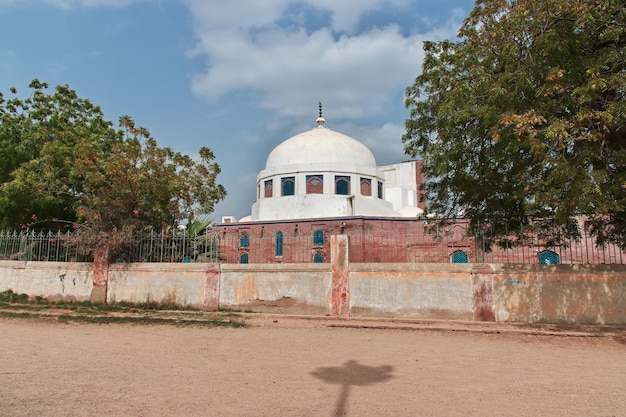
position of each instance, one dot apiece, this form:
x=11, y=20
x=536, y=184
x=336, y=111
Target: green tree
x=523, y=117
x=66, y=165
x=38, y=137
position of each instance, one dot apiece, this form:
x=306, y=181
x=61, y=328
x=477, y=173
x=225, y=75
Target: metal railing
x=37, y=246
x=453, y=242
x=420, y=241
x=170, y=247
x=146, y=247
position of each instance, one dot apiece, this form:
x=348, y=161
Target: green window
x=459, y=257
x=279, y=243
x=318, y=238
x=288, y=185
x=547, y=257
x=342, y=185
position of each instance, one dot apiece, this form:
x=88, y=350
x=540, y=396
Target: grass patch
x=146, y=320
x=21, y=306
x=11, y=297
x=19, y=315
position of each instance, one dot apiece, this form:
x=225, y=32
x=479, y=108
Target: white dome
x=320, y=146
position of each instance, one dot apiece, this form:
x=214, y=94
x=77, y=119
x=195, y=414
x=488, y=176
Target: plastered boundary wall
x=586, y=294
x=52, y=280
x=589, y=294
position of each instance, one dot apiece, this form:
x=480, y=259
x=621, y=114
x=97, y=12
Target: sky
x=237, y=76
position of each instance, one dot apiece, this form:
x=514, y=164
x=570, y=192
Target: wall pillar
x=100, y=275
x=211, y=300
x=340, y=271
x=482, y=284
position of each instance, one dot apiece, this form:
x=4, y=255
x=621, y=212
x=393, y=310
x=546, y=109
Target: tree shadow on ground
x=350, y=374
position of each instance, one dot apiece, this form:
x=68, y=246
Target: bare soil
x=281, y=366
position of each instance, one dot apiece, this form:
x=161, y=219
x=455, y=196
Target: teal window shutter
x=279, y=243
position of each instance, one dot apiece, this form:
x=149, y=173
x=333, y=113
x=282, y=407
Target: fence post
x=340, y=271
x=482, y=284
x=100, y=274
x=211, y=300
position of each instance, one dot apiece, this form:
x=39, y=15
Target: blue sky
x=238, y=76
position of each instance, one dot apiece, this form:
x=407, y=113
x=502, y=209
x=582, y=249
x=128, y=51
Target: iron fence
x=170, y=247
x=38, y=246
x=452, y=241
x=420, y=241
x=414, y=241
x=153, y=246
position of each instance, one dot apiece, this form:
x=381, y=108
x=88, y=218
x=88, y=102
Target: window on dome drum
x=342, y=185
x=243, y=258
x=318, y=258
x=380, y=190
x=314, y=184
x=288, y=185
x=244, y=241
x=318, y=238
x=366, y=186
x=459, y=257
x=269, y=187
x=279, y=243
x=547, y=257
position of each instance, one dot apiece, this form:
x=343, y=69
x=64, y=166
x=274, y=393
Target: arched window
x=459, y=257
x=243, y=258
x=269, y=188
x=366, y=186
x=279, y=243
x=244, y=241
x=288, y=185
x=547, y=257
x=314, y=184
x=342, y=185
x=318, y=238
x=318, y=258
x=380, y=190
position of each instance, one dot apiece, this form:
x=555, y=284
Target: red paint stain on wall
x=482, y=276
x=340, y=304
x=211, y=288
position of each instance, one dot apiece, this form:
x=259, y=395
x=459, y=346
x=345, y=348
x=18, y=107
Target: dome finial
x=320, y=120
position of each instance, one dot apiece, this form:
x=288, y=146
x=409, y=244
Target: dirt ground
x=292, y=367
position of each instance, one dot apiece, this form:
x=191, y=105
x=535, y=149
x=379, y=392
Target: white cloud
x=69, y=4
x=358, y=73
x=262, y=13
x=219, y=14
x=346, y=13
x=242, y=47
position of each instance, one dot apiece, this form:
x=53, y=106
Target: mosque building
x=324, y=174
x=318, y=183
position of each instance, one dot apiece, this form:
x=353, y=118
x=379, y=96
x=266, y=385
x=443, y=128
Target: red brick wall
x=371, y=240
x=390, y=240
